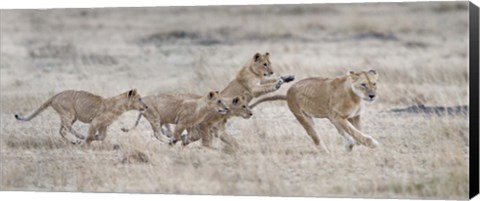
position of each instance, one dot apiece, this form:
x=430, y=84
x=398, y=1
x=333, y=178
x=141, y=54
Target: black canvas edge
x=474, y=101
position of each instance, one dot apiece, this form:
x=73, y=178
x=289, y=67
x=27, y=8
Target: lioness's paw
x=288, y=78
x=372, y=143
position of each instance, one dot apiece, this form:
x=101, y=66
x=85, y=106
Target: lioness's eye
x=265, y=64
x=364, y=85
x=374, y=84
x=219, y=101
x=244, y=106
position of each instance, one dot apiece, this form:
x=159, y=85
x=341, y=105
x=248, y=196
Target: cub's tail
x=38, y=111
x=270, y=98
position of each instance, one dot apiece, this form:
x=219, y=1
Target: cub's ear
x=132, y=92
x=212, y=94
x=349, y=72
x=267, y=54
x=235, y=100
x=372, y=71
x=256, y=56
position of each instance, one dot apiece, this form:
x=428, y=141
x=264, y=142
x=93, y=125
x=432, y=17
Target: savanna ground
x=419, y=49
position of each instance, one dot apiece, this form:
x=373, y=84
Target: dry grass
x=420, y=50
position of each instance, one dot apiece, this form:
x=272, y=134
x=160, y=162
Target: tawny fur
x=253, y=79
x=340, y=99
x=183, y=110
x=214, y=124
x=89, y=108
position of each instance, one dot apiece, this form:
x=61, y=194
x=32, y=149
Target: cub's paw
x=77, y=141
x=184, y=139
x=279, y=84
x=288, y=78
x=172, y=141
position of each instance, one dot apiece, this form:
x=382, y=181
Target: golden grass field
x=419, y=49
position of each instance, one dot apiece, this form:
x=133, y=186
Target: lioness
x=253, y=79
x=340, y=99
x=176, y=109
x=89, y=108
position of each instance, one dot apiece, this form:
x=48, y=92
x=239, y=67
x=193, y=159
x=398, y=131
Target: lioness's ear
x=372, y=71
x=235, y=100
x=349, y=72
x=256, y=56
x=267, y=54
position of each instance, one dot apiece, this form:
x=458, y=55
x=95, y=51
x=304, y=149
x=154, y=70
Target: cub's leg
x=167, y=131
x=91, y=133
x=228, y=139
x=177, y=133
x=67, y=119
x=206, y=135
x=102, y=133
x=355, y=133
x=265, y=89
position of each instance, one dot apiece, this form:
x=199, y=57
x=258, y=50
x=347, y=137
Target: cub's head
x=216, y=102
x=135, y=101
x=261, y=64
x=364, y=84
x=239, y=107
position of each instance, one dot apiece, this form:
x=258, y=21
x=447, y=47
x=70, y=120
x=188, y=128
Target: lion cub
x=89, y=108
x=215, y=124
x=254, y=79
x=176, y=109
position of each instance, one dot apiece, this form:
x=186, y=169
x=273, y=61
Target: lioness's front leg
x=355, y=133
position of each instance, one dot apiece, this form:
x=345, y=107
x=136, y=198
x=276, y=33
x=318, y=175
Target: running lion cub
x=179, y=110
x=340, y=99
x=89, y=108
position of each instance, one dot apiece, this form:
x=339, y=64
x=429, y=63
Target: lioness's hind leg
x=307, y=123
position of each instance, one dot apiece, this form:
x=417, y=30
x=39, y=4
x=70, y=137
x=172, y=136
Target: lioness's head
x=261, y=64
x=364, y=84
x=239, y=107
x=135, y=101
x=216, y=102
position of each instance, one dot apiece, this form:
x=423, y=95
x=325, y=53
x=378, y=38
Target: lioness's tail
x=38, y=111
x=270, y=98
x=134, y=126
